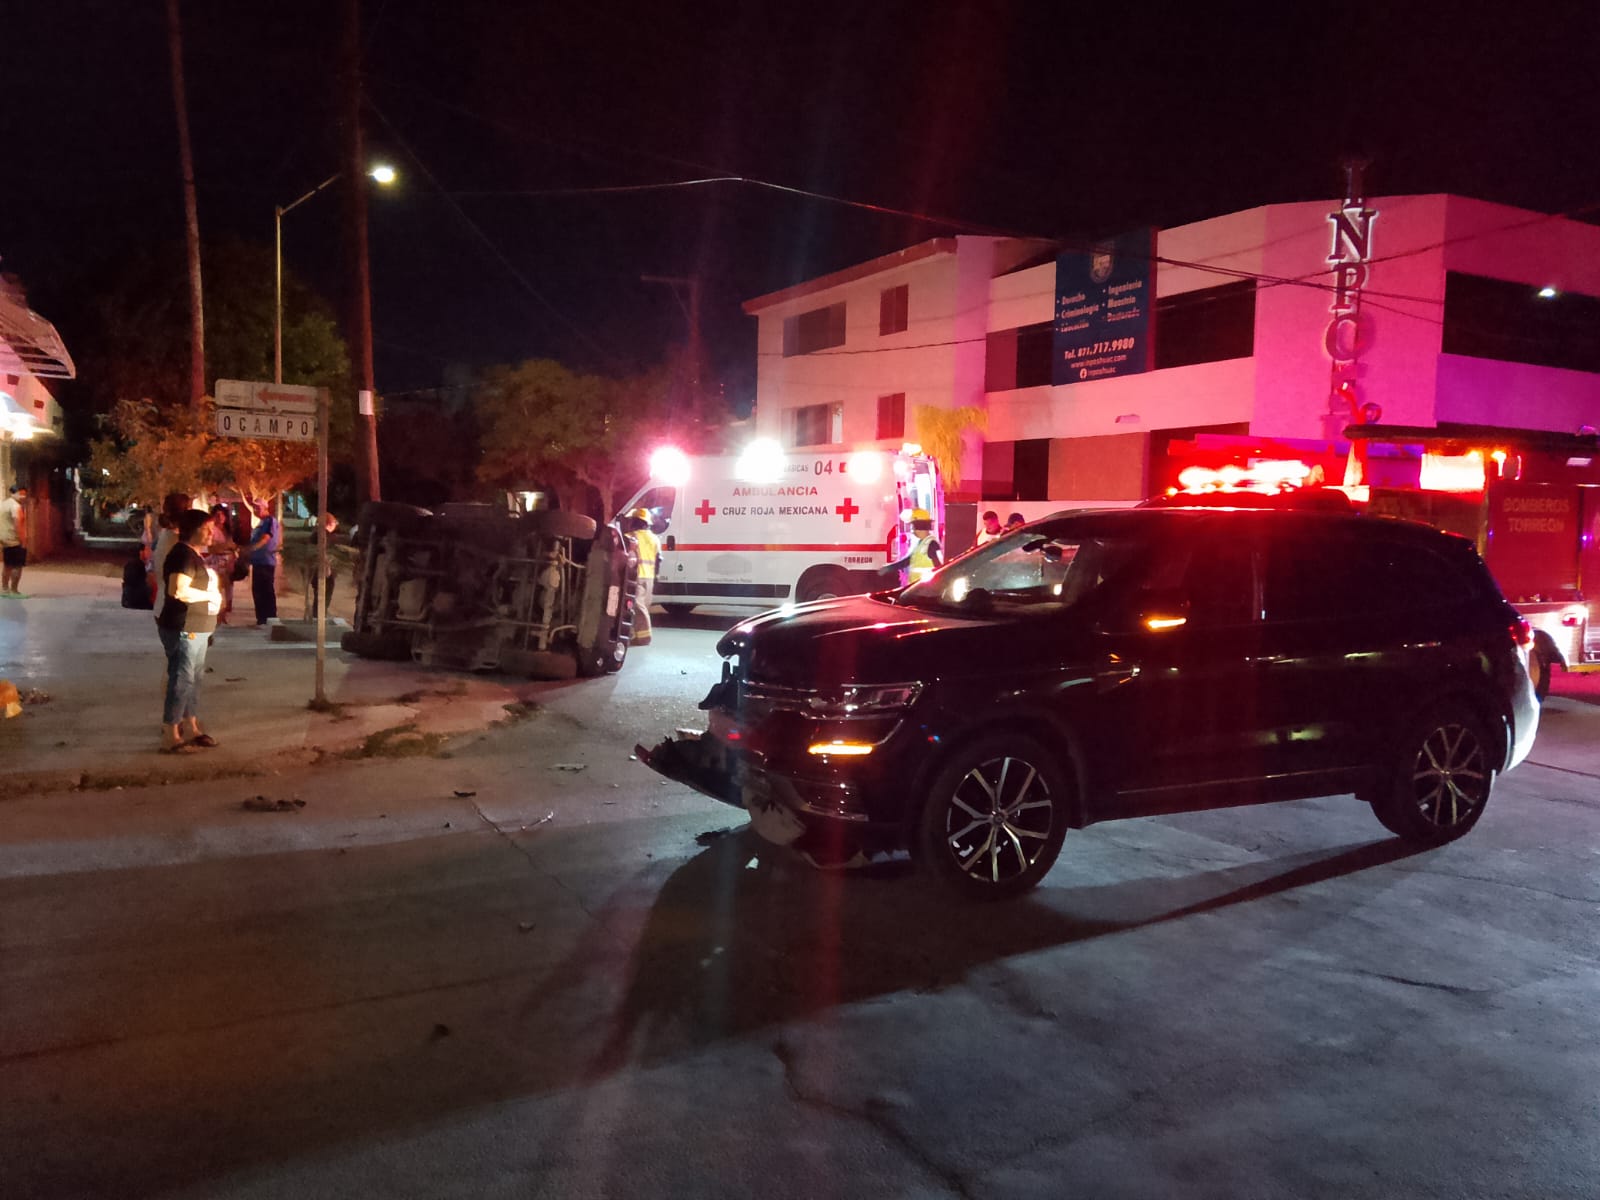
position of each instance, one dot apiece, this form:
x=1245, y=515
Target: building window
x=817, y=425
x=892, y=416
x=819, y=329
x=1030, y=470
x=1208, y=325
x=893, y=310
x=1513, y=322
x=1019, y=358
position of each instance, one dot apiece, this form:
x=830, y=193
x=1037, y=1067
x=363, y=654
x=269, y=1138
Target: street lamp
x=381, y=173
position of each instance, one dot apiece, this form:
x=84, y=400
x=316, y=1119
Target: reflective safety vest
x=921, y=563
x=649, y=553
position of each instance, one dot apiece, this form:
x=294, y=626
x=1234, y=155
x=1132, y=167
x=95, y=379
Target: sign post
x=320, y=587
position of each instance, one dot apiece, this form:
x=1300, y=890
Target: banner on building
x=1104, y=297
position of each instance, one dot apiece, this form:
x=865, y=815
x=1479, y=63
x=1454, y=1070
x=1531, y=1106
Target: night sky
x=1052, y=119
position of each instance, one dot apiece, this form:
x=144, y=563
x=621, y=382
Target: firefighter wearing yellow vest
x=637, y=523
x=926, y=555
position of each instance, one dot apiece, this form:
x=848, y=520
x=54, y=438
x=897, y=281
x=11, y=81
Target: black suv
x=1100, y=665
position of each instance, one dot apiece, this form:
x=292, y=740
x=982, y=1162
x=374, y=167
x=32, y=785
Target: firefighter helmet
x=641, y=514
x=920, y=514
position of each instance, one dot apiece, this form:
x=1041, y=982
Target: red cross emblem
x=848, y=509
x=705, y=512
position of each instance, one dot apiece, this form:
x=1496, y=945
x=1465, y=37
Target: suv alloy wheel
x=995, y=818
x=1441, y=778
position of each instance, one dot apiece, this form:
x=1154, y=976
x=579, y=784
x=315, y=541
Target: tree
x=543, y=422
x=942, y=433
x=133, y=342
x=155, y=449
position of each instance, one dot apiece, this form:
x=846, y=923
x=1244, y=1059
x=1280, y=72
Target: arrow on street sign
x=267, y=397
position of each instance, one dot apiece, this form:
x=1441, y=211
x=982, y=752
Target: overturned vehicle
x=547, y=595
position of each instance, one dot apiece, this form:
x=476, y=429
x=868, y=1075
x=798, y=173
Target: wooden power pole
x=360, y=303
x=191, y=214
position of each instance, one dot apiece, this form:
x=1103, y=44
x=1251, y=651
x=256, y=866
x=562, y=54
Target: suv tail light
x=1522, y=632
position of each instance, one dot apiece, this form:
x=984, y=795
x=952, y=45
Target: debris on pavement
x=706, y=836
x=569, y=766
x=263, y=804
x=233, y=679
x=549, y=816
x=440, y=1030
x=35, y=696
x=464, y=795
x=525, y=926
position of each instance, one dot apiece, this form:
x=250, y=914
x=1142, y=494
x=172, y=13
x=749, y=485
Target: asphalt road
x=551, y=987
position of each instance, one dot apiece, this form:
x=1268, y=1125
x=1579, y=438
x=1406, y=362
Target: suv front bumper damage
x=706, y=764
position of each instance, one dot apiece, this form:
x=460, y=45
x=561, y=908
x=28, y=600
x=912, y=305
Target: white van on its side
x=764, y=528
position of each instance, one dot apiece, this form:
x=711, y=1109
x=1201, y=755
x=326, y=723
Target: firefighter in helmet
x=638, y=525
x=926, y=555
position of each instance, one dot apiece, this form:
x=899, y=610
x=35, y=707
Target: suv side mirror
x=1150, y=610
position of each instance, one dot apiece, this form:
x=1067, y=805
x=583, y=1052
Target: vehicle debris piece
x=569, y=766
x=263, y=804
x=549, y=816
x=464, y=795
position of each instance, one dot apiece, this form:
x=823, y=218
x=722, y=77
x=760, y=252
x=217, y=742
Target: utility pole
x=692, y=313
x=191, y=213
x=355, y=211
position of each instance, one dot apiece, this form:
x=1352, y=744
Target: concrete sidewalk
x=100, y=674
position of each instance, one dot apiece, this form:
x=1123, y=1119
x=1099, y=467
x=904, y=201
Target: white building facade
x=1284, y=323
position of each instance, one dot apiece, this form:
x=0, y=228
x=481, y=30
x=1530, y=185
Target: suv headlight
x=864, y=700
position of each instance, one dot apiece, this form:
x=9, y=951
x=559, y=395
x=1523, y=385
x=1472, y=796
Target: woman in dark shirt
x=188, y=615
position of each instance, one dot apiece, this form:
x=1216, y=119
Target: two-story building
x=31, y=422
x=1101, y=368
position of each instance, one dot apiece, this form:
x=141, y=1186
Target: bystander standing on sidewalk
x=188, y=616
x=221, y=556
x=262, y=552
x=13, y=541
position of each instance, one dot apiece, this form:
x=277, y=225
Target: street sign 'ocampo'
x=282, y=411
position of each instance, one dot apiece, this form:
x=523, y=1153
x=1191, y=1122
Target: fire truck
x=768, y=527
x=1529, y=500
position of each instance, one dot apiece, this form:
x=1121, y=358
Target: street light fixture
x=383, y=174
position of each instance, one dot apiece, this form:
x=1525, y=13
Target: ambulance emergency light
x=761, y=462
x=670, y=465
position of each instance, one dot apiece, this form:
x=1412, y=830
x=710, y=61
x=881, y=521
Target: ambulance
x=768, y=527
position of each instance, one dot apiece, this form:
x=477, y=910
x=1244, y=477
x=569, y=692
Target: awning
x=29, y=342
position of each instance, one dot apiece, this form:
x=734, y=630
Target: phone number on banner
x=1111, y=347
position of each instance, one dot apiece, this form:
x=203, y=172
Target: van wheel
x=386, y=515
x=556, y=523
x=822, y=583
x=996, y=817
x=1440, y=780
x=678, y=610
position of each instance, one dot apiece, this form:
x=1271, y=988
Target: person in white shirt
x=13, y=541
x=991, y=528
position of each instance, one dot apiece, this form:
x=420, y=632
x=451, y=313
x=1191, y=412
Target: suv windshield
x=1027, y=569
